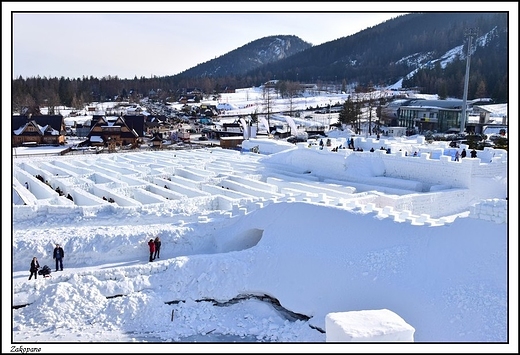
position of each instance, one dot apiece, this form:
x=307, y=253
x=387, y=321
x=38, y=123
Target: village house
x=37, y=130
x=157, y=141
x=112, y=134
x=441, y=115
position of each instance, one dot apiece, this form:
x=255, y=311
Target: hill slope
x=249, y=57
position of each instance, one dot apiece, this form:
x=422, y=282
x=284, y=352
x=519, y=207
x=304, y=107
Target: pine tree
x=350, y=112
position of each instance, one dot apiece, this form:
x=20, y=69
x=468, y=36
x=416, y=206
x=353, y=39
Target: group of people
x=462, y=154
x=155, y=248
x=58, y=255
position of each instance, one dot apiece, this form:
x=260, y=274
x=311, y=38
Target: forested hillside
x=249, y=57
x=383, y=54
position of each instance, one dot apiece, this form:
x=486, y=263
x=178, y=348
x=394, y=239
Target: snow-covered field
x=257, y=248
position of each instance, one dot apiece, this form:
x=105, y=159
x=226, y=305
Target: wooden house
x=41, y=129
x=136, y=123
x=151, y=128
x=112, y=134
x=156, y=141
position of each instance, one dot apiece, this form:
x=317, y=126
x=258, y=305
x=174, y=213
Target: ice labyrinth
x=182, y=188
x=191, y=182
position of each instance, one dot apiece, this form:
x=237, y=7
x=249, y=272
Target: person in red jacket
x=151, y=244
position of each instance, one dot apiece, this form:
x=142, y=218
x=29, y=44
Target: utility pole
x=370, y=111
x=469, y=35
x=330, y=117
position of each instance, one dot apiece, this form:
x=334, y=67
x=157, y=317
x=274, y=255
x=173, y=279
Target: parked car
x=485, y=143
x=454, y=144
x=316, y=136
x=294, y=139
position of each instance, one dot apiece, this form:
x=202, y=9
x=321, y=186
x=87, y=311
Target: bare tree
x=78, y=102
x=293, y=90
x=370, y=105
x=268, y=103
x=52, y=101
x=24, y=103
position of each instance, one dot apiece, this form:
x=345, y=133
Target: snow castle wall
x=490, y=210
x=451, y=173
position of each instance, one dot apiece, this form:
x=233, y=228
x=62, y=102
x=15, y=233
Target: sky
x=100, y=44
x=304, y=226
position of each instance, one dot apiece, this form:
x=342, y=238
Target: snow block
x=367, y=326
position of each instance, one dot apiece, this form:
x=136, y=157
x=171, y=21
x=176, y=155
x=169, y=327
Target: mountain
x=377, y=55
x=413, y=47
x=249, y=57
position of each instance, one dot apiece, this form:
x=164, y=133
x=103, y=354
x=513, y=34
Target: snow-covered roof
x=495, y=109
x=226, y=106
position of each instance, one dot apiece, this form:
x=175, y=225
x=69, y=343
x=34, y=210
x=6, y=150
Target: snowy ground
x=260, y=269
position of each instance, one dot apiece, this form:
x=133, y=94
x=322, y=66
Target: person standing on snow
x=58, y=255
x=34, y=268
x=157, y=243
x=151, y=245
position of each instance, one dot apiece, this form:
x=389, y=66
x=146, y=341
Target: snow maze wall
x=205, y=181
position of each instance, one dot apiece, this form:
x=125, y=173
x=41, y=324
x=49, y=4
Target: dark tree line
x=75, y=93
